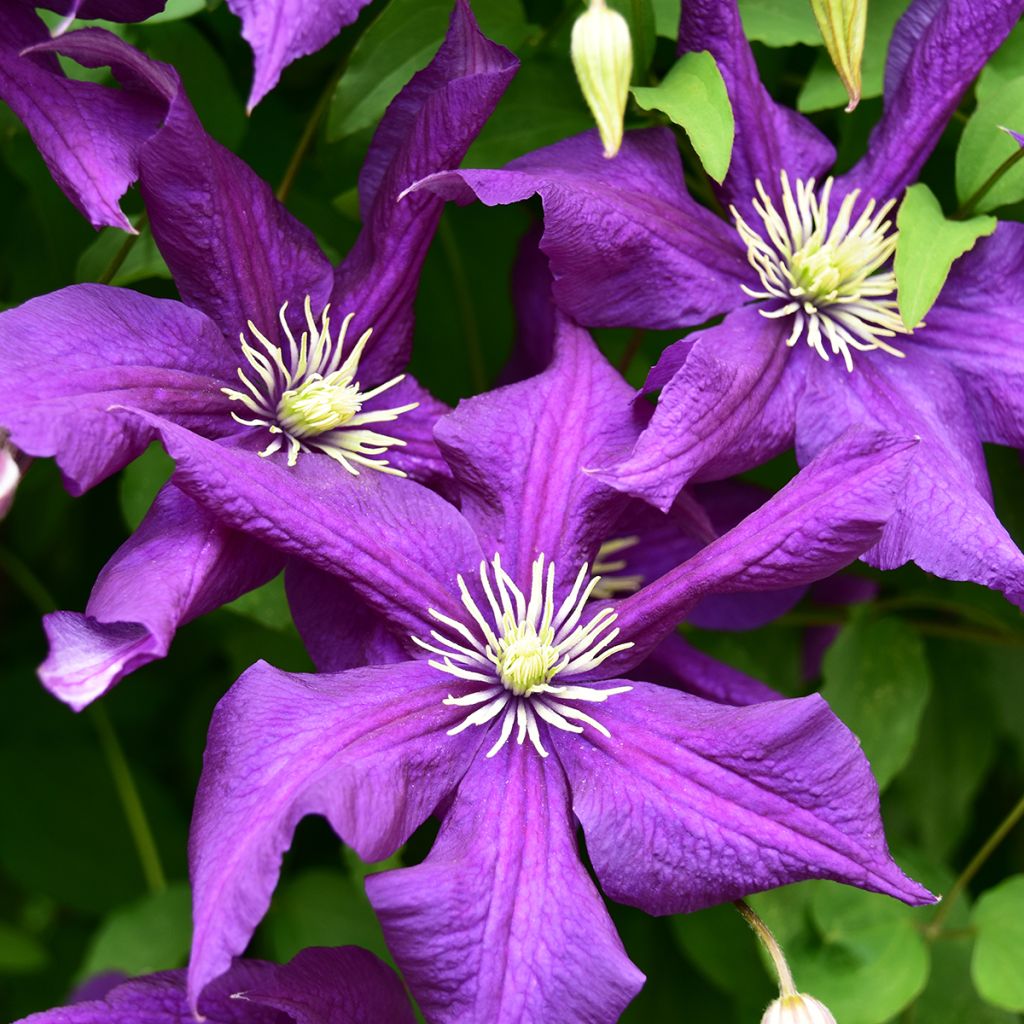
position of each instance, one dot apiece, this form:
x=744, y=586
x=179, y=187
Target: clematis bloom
x=811, y=342
x=272, y=350
x=500, y=694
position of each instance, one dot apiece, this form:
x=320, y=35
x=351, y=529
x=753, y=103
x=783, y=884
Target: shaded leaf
x=984, y=146
x=141, y=480
x=20, y=953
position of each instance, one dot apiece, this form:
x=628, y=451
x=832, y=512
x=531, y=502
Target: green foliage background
x=929, y=674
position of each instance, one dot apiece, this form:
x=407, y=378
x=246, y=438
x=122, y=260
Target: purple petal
x=179, y=564
x=517, y=454
x=419, y=458
x=976, y=328
x=677, y=664
x=731, y=405
x=627, y=245
x=770, y=138
x=535, y=310
x=88, y=134
x=347, y=985
x=819, y=522
x=937, y=49
x=366, y=749
x=337, y=627
x=66, y=358
x=428, y=127
x=280, y=31
x=501, y=922
x=944, y=519
x=354, y=527
x=690, y=803
x=110, y=10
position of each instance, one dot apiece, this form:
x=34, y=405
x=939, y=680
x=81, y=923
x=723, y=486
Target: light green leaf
x=877, y=681
x=140, y=482
x=20, y=953
x=984, y=146
x=927, y=247
x=822, y=89
x=859, y=953
x=399, y=43
x=949, y=997
x=152, y=934
x=694, y=96
x=780, y=22
x=176, y=10
x=666, y=18
x=998, y=963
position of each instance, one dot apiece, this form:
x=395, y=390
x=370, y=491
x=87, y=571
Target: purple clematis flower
x=303, y=384
x=88, y=135
x=811, y=341
x=505, y=699
x=347, y=985
x=280, y=31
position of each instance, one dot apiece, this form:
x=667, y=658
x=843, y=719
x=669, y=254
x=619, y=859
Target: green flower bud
x=602, y=54
x=842, y=24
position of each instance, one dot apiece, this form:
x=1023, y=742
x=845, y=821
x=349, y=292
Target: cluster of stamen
x=305, y=394
x=830, y=277
x=517, y=652
x=609, y=571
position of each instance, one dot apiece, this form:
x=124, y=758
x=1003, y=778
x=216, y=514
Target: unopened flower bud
x=10, y=474
x=602, y=54
x=843, y=24
x=797, y=1009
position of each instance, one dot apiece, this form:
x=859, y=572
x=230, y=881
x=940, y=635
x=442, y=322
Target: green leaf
x=176, y=10
x=20, y=953
x=998, y=963
x=780, y=22
x=949, y=997
x=927, y=247
x=398, y=44
x=984, y=146
x=666, y=18
x=640, y=17
x=694, y=96
x=877, y=681
x=152, y=934
x=823, y=90
x=143, y=259
x=267, y=605
x=858, y=952
x=140, y=482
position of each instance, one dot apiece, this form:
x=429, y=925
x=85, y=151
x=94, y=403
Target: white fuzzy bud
x=797, y=1009
x=10, y=474
x=602, y=54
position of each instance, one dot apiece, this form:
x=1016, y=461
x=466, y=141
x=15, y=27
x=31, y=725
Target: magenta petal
x=366, y=749
x=68, y=357
x=627, y=245
x=518, y=455
x=730, y=406
x=937, y=49
x=691, y=803
x=179, y=564
x=769, y=136
x=88, y=134
x=501, y=922
x=280, y=31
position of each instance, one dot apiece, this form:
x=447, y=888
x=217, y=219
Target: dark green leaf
x=140, y=482
x=20, y=953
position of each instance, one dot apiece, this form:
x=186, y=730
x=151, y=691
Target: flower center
x=516, y=652
x=306, y=395
x=828, y=276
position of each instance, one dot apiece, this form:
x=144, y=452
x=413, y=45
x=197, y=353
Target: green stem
x=975, y=865
x=636, y=339
x=122, y=253
x=33, y=588
x=764, y=934
x=131, y=802
x=989, y=183
x=464, y=300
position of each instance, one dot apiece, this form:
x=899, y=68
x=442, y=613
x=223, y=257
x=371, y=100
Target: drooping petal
x=627, y=245
x=944, y=519
x=769, y=138
x=690, y=803
x=830, y=513
x=501, y=923
x=938, y=47
x=179, y=564
x=518, y=455
x=354, y=527
x=280, y=31
x=67, y=357
x=428, y=127
x=680, y=665
x=730, y=406
x=366, y=749
x=977, y=328
x=346, y=985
